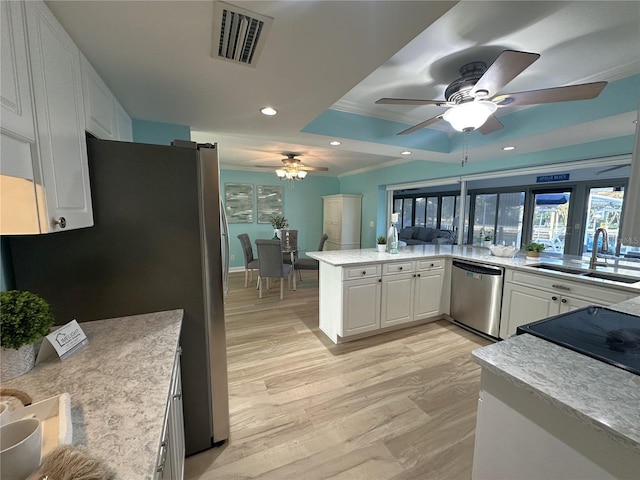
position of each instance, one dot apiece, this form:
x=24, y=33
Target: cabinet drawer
x=595, y=293
x=397, y=267
x=429, y=264
x=363, y=271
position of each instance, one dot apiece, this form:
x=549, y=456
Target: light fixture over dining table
x=291, y=168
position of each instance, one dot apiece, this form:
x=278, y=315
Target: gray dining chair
x=310, y=263
x=250, y=263
x=271, y=265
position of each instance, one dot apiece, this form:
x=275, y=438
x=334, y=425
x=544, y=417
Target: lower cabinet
x=357, y=300
x=170, y=465
x=530, y=297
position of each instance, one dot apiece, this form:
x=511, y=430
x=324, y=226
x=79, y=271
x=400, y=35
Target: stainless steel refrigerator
x=159, y=242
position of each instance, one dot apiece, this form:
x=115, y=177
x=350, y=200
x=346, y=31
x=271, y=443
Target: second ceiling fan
x=473, y=98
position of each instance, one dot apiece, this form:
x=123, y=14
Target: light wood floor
x=401, y=405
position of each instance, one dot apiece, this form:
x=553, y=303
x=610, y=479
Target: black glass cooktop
x=607, y=335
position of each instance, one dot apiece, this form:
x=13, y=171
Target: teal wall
x=158, y=133
x=302, y=207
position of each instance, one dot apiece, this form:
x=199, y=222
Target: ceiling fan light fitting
x=469, y=116
x=281, y=173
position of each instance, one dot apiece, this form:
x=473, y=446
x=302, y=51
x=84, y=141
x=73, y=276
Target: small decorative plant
x=535, y=247
x=278, y=221
x=24, y=318
x=382, y=240
x=488, y=236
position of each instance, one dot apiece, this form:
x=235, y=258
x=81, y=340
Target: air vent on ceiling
x=238, y=34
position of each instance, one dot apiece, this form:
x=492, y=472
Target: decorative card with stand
x=64, y=342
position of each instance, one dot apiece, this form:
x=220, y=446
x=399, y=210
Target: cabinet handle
x=414, y=275
x=564, y=300
x=432, y=265
x=400, y=268
x=61, y=221
x=561, y=287
x=379, y=280
x=554, y=298
x=364, y=272
x=418, y=274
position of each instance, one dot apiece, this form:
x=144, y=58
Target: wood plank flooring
x=401, y=405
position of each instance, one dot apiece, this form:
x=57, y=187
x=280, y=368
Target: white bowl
x=503, y=250
x=21, y=444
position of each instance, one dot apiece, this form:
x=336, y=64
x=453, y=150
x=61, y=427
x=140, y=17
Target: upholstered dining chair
x=271, y=264
x=310, y=263
x=250, y=263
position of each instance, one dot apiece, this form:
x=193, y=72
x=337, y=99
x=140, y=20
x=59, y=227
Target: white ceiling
x=155, y=56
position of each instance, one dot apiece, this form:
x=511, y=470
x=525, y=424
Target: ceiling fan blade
x=419, y=126
x=507, y=66
x=492, y=124
x=409, y=101
x=313, y=169
x=583, y=91
x=272, y=167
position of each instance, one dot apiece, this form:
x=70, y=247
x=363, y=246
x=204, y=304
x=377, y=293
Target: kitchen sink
x=586, y=273
x=611, y=276
x=558, y=268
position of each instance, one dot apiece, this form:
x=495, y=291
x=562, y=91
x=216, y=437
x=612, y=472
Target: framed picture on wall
x=270, y=202
x=238, y=202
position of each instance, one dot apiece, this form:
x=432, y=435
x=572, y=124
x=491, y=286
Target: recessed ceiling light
x=406, y=152
x=506, y=149
x=334, y=143
x=269, y=111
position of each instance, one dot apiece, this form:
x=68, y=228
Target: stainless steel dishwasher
x=476, y=296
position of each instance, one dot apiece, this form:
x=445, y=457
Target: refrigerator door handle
x=226, y=247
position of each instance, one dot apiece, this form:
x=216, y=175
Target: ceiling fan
x=473, y=98
x=292, y=169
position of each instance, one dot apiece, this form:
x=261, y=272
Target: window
x=484, y=217
x=604, y=209
x=510, y=216
x=421, y=211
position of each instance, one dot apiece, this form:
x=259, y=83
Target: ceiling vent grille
x=238, y=34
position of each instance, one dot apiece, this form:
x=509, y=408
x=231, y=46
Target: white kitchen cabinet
x=105, y=118
x=398, y=286
x=429, y=281
x=170, y=464
x=341, y=221
x=60, y=168
x=15, y=88
x=361, y=306
x=529, y=297
x=520, y=436
x=365, y=299
x=124, y=126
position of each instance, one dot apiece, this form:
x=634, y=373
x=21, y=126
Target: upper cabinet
x=104, y=116
x=49, y=95
x=59, y=112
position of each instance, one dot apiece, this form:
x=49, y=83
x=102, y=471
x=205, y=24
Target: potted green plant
x=25, y=317
x=278, y=222
x=534, y=249
x=487, y=238
x=382, y=243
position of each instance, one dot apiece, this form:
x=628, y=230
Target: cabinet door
x=15, y=88
x=522, y=305
x=99, y=103
x=567, y=304
x=397, y=299
x=361, y=304
x=62, y=149
x=124, y=128
x=428, y=292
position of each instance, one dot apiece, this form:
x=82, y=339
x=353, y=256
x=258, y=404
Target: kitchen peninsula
x=120, y=384
x=364, y=292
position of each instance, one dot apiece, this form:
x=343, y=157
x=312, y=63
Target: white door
x=397, y=299
x=428, y=292
x=361, y=303
x=524, y=305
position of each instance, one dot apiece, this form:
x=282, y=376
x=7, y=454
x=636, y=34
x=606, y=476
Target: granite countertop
x=347, y=258
x=594, y=392
x=119, y=385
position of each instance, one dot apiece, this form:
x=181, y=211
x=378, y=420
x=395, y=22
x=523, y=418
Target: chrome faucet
x=605, y=248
